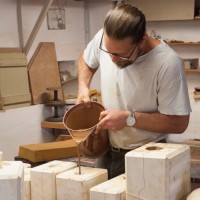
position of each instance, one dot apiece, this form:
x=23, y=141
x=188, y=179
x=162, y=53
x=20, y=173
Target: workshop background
x=82, y=19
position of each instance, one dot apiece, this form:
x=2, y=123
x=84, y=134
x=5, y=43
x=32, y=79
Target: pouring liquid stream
x=79, y=136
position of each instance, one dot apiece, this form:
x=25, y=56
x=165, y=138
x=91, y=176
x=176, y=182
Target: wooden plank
x=11, y=99
x=10, y=50
x=12, y=55
x=48, y=151
x=44, y=73
x=12, y=106
x=56, y=125
x=194, y=142
x=12, y=59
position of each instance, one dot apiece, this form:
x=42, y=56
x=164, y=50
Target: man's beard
x=124, y=63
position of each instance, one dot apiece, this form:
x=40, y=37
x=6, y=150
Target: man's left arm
x=155, y=122
x=161, y=123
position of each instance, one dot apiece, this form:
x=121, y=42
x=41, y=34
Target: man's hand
x=84, y=97
x=112, y=119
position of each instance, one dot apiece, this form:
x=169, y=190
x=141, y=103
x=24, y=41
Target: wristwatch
x=130, y=120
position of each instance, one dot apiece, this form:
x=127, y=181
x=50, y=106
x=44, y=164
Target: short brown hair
x=125, y=21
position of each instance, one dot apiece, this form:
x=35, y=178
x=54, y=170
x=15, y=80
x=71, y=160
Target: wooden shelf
x=197, y=17
x=56, y=125
x=192, y=70
x=183, y=43
x=68, y=80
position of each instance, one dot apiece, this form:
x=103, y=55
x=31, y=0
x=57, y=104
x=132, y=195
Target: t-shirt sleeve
x=173, y=98
x=92, y=51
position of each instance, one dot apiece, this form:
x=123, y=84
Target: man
x=143, y=85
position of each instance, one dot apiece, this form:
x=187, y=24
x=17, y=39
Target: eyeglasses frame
x=116, y=55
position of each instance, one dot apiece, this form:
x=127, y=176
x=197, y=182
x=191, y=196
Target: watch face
x=130, y=120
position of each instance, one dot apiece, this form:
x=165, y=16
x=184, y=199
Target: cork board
x=44, y=73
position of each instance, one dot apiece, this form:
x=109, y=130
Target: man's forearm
x=85, y=73
x=157, y=122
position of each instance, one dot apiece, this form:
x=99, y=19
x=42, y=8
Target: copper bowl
x=82, y=121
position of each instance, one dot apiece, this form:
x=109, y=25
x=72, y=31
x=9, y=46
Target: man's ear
x=145, y=36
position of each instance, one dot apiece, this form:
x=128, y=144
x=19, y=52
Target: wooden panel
x=12, y=59
x=48, y=151
x=14, y=84
x=156, y=10
x=44, y=73
x=10, y=50
x=16, y=99
x=13, y=81
x=12, y=106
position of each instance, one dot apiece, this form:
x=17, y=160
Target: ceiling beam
x=37, y=25
x=20, y=29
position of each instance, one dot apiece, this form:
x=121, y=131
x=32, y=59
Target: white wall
x=21, y=126
x=69, y=42
x=97, y=12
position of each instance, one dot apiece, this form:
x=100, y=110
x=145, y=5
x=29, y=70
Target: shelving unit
x=180, y=43
x=68, y=71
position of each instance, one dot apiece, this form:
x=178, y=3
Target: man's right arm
x=85, y=74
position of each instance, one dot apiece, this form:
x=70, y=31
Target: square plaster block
x=158, y=171
x=11, y=180
x=195, y=195
x=27, y=182
x=113, y=189
x=43, y=179
x=71, y=185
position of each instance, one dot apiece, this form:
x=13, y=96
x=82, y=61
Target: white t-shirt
x=155, y=82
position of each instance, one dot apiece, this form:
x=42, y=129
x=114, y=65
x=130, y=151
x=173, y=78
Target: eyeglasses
x=117, y=55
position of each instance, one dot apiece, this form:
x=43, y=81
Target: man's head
x=124, y=28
